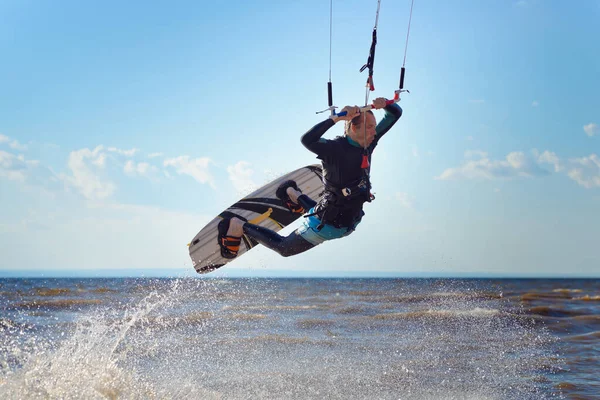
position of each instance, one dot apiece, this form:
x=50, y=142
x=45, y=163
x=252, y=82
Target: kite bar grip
x=369, y=107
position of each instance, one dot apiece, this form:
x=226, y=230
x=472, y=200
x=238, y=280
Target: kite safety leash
x=370, y=85
x=371, y=59
x=369, y=65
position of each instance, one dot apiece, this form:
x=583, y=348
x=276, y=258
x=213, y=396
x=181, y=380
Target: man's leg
x=284, y=245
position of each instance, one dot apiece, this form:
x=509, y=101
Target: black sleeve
x=312, y=139
x=393, y=112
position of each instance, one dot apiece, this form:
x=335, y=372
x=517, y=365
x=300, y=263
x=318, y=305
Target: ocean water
x=299, y=339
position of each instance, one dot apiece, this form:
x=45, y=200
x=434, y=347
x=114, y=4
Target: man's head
x=355, y=129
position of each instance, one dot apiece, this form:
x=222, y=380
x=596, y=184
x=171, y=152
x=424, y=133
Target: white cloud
x=586, y=171
x=196, y=168
x=17, y=146
x=548, y=157
x=478, y=165
x=127, y=153
x=100, y=160
x=154, y=155
x=129, y=168
x=115, y=235
x=84, y=165
x=13, y=144
x=535, y=103
x=591, y=129
x=470, y=138
x=31, y=175
x=132, y=168
x=143, y=168
x=517, y=160
x=15, y=168
x=415, y=151
x=33, y=163
x=240, y=175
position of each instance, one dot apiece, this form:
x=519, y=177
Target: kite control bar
x=371, y=106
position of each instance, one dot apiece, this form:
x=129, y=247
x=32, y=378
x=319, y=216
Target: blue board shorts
x=308, y=231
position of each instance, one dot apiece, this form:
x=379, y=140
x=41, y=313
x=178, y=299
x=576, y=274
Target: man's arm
x=393, y=112
x=312, y=139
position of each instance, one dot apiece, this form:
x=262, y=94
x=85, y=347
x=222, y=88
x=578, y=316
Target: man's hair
x=357, y=121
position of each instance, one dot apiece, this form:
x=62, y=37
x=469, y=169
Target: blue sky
x=125, y=127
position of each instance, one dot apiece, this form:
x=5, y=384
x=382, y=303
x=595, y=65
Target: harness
x=340, y=206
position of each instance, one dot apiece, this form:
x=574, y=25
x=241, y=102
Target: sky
x=126, y=126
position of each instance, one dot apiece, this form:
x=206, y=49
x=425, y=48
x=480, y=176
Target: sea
x=299, y=338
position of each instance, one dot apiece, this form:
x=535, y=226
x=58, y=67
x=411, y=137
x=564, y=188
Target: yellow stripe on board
x=261, y=217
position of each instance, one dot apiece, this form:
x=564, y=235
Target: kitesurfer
x=346, y=167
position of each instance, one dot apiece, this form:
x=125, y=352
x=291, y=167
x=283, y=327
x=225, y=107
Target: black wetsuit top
x=341, y=159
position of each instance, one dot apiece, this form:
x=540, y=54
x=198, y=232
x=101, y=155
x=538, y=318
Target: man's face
x=358, y=132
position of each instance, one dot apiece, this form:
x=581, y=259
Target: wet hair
x=357, y=121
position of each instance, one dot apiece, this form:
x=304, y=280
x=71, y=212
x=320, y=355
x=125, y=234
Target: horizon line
x=271, y=273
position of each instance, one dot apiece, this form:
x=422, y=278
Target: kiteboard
x=261, y=207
